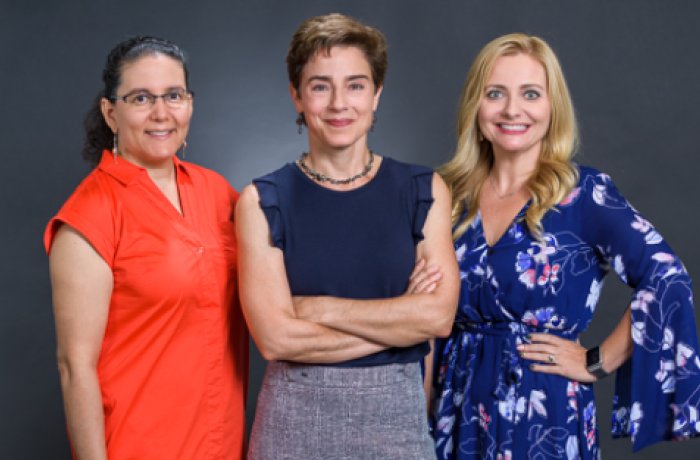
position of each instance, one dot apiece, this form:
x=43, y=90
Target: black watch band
x=594, y=363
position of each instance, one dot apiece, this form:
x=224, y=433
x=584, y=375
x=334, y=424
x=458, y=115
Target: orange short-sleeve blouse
x=173, y=367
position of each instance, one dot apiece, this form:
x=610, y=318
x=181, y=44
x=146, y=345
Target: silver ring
x=551, y=359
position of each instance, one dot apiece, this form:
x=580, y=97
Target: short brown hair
x=324, y=32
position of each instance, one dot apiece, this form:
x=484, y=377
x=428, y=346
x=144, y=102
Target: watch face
x=593, y=357
x=594, y=365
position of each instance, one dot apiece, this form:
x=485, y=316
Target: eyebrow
x=144, y=90
x=328, y=79
x=525, y=86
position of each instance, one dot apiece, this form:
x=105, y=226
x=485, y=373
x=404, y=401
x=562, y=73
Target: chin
x=345, y=141
x=162, y=151
x=515, y=147
x=159, y=157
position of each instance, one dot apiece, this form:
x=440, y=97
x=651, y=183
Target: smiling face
x=149, y=135
x=515, y=109
x=338, y=98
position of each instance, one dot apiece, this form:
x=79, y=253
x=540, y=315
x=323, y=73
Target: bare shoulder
x=439, y=186
x=69, y=240
x=251, y=224
x=74, y=260
x=248, y=198
x=441, y=194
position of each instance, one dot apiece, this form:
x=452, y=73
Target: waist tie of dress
x=512, y=333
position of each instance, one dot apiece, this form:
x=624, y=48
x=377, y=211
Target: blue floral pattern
x=489, y=405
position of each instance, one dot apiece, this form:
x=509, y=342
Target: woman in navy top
x=535, y=234
x=327, y=248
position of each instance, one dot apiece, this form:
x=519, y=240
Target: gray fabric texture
x=322, y=412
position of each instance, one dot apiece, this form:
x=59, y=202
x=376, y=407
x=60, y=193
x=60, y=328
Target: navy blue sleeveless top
x=358, y=244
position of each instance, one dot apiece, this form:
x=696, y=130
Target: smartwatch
x=594, y=363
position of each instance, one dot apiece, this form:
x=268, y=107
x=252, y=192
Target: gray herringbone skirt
x=322, y=412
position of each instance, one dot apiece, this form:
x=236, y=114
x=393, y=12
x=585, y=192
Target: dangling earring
x=184, y=147
x=114, y=147
x=301, y=121
x=374, y=120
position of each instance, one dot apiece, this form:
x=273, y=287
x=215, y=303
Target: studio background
x=632, y=67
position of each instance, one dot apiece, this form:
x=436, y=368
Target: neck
x=162, y=174
x=159, y=172
x=338, y=163
x=510, y=172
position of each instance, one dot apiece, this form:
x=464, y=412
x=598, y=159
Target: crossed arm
x=326, y=329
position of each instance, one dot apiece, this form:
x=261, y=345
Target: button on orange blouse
x=173, y=367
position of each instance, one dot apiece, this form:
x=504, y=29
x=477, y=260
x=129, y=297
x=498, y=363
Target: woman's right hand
x=424, y=278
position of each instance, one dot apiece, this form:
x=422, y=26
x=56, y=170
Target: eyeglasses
x=175, y=98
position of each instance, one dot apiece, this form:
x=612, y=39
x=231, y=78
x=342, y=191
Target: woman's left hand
x=553, y=355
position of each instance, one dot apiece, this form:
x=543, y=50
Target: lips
x=339, y=123
x=512, y=128
x=160, y=133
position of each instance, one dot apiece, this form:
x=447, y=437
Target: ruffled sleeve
x=657, y=392
x=270, y=205
x=421, y=199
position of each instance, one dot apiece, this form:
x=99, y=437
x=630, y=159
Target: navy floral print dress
x=490, y=405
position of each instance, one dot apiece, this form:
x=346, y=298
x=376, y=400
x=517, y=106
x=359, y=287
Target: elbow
x=439, y=323
x=443, y=327
x=72, y=369
x=268, y=351
x=444, y=331
x=274, y=348
x=64, y=370
x=443, y=317
x=65, y=367
x=269, y=354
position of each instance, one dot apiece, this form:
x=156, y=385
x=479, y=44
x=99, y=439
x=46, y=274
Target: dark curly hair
x=98, y=136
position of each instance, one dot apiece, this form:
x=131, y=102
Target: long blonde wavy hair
x=555, y=175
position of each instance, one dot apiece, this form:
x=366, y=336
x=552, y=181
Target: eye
x=356, y=86
x=139, y=98
x=175, y=96
x=531, y=94
x=494, y=94
x=319, y=87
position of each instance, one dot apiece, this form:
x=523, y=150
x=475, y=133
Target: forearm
x=398, y=321
x=82, y=400
x=410, y=318
x=304, y=341
x=617, y=347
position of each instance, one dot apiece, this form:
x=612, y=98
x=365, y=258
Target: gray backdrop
x=631, y=65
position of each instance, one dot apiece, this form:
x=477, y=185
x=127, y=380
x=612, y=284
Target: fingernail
x=529, y=336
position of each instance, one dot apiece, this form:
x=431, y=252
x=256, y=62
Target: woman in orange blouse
x=152, y=347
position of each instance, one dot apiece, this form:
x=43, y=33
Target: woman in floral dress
x=535, y=234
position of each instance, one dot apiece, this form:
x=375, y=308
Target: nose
x=511, y=107
x=337, y=101
x=159, y=110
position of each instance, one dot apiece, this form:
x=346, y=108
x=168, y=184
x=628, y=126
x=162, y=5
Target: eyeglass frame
x=151, y=97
